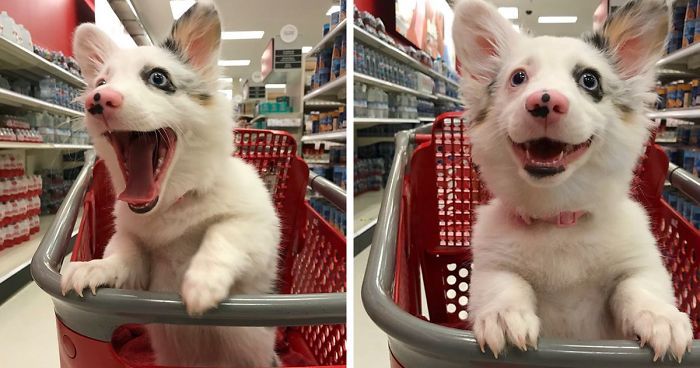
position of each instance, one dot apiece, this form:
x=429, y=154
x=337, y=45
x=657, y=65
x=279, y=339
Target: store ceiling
x=583, y=9
x=247, y=15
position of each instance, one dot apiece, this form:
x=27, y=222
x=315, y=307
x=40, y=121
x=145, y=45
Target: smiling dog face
x=557, y=121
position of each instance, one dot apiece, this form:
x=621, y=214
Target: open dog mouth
x=547, y=157
x=144, y=158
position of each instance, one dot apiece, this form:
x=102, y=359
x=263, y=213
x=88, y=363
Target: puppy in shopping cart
x=557, y=127
x=189, y=217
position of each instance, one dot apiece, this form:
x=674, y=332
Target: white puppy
x=558, y=126
x=190, y=218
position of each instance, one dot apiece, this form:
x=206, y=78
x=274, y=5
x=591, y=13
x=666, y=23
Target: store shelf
x=23, y=59
x=688, y=57
x=366, y=141
x=15, y=99
x=329, y=37
x=380, y=45
x=665, y=140
x=685, y=113
x=317, y=162
x=426, y=120
x=388, y=86
x=367, y=210
x=14, y=259
x=312, y=105
x=329, y=90
x=28, y=145
x=385, y=121
x=335, y=136
x=448, y=98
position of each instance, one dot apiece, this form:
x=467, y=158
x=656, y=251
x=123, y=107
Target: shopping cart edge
x=428, y=344
x=95, y=316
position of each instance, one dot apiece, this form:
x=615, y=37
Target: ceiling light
x=306, y=49
x=556, y=20
x=333, y=9
x=275, y=86
x=509, y=12
x=179, y=7
x=234, y=62
x=242, y=35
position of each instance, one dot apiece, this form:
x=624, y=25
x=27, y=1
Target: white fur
x=602, y=278
x=221, y=238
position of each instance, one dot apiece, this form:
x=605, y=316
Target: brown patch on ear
x=628, y=116
x=203, y=99
x=480, y=117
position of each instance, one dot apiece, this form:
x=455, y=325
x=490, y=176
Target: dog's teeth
x=561, y=156
x=527, y=154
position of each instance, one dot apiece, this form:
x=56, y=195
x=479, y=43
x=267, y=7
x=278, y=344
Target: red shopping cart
x=105, y=330
x=422, y=242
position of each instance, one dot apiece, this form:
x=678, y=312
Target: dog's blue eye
x=518, y=78
x=589, y=81
x=158, y=79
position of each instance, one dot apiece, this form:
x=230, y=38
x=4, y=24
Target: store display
x=678, y=94
x=383, y=130
x=16, y=33
x=54, y=190
x=684, y=31
x=331, y=213
x=20, y=204
x=321, y=122
x=372, y=166
x=376, y=27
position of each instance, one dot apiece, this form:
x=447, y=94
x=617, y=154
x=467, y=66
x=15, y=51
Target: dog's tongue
x=140, y=184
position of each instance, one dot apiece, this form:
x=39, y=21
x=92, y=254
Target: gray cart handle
x=684, y=181
x=328, y=190
x=425, y=344
x=113, y=307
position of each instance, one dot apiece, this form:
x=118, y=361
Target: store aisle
x=28, y=326
x=369, y=339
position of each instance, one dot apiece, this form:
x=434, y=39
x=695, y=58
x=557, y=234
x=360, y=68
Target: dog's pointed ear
x=196, y=38
x=635, y=36
x=91, y=47
x=482, y=39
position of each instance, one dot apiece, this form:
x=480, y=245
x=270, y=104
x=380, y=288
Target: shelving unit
x=334, y=136
x=685, y=113
x=331, y=90
x=329, y=37
x=385, y=121
x=11, y=98
x=388, y=86
x=381, y=45
x=367, y=204
x=16, y=58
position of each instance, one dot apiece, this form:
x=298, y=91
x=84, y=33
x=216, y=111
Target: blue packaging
x=673, y=199
x=695, y=216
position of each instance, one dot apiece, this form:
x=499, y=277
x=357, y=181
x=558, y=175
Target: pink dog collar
x=563, y=219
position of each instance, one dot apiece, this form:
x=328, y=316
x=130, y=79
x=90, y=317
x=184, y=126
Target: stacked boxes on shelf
x=686, y=152
x=372, y=166
x=48, y=90
x=684, y=30
x=331, y=60
x=55, y=189
x=19, y=201
x=35, y=127
x=322, y=122
x=678, y=94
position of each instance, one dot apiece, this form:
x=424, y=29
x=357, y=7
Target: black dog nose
x=96, y=97
x=545, y=97
x=541, y=111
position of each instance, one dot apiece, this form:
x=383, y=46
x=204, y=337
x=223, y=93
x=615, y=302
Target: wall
x=51, y=22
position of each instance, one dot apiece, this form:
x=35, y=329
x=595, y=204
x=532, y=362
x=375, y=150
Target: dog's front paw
x=203, y=288
x=92, y=274
x=664, y=328
x=520, y=327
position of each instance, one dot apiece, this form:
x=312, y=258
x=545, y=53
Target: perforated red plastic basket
x=440, y=192
x=312, y=261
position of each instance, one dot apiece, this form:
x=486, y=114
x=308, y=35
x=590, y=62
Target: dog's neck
x=562, y=219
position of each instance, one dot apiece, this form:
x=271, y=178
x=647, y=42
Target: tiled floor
x=28, y=330
x=371, y=349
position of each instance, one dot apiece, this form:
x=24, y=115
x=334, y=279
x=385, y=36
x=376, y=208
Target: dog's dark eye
x=101, y=82
x=158, y=79
x=518, y=78
x=589, y=81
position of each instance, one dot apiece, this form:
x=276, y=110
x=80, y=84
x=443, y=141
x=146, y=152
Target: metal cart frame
x=426, y=344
